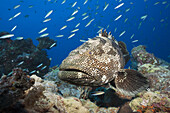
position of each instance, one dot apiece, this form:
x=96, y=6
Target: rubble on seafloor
x=24, y=54
x=53, y=95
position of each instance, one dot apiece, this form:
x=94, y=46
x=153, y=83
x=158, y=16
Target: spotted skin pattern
x=97, y=62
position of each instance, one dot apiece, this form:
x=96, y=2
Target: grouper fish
x=100, y=61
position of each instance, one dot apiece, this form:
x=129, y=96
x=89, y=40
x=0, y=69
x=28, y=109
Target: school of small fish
x=88, y=19
x=119, y=4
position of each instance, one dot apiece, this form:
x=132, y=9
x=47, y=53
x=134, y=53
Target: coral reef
x=21, y=93
x=159, y=77
x=45, y=43
x=150, y=102
x=158, y=73
x=12, y=88
x=156, y=70
x=141, y=56
x=23, y=54
x=40, y=98
x=65, y=89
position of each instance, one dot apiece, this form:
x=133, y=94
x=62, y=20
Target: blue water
x=157, y=41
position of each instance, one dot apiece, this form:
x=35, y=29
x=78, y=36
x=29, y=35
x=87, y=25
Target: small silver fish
x=59, y=36
x=127, y=10
x=63, y=1
x=20, y=63
x=84, y=14
x=19, y=38
x=74, y=4
x=7, y=36
x=48, y=14
x=118, y=17
x=71, y=18
x=63, y=27
x=16, y=15
x=46, y=20
x=134, y=41
x=17, y=6
x=120, y=5
x=89, y=23
x=85, y=17
x=85, y=2
x=122, y=33
x=83, y=41
x=32, y=72
x=105, y=7
x=52, y=45
x=44, y=35
x=44, y=29
x=132, y=36
x=143, y=17
x=74, y=30
x=39, y=65
x=10, y=73
x=13, y=28
x=71, y=35
x=77, y=25
x=43, y=67
x=97, y=93
x=76, y=11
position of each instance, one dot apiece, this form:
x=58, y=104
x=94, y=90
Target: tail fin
x=130, y=82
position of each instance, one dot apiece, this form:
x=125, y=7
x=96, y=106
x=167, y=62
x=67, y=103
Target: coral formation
x=141, y=56
x=45, y=43
x=158, y=73
x=159, y=77
x=12, y=88
x=23, y=54
x=156, y=70
x=21, y=93
x=151, y=102
x=64, y=88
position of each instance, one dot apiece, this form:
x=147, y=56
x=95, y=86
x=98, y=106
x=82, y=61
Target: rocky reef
x=156, y=99
x=21, y=93
x=12, y=89
x=151, y=102
x=155, y=69
x=44, y=96
x=141, y=56
x=24, y=54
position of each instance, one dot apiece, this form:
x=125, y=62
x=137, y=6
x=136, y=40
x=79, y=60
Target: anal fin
x=130, y=82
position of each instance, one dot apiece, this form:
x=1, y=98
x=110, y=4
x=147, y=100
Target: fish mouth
x=75, y=76
x=73, y=70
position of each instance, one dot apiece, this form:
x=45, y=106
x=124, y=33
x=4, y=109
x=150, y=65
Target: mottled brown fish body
x=94, y=63
x=99, y=61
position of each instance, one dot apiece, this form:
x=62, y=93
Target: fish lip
x=73, y=70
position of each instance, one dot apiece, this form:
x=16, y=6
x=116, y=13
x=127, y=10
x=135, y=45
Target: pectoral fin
x=130, y=82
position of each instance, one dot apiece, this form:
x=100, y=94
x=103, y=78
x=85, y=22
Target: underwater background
x=37, y=35
x=153, y=31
